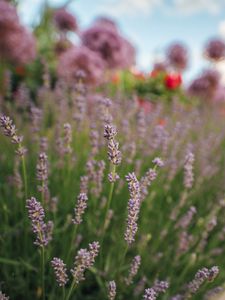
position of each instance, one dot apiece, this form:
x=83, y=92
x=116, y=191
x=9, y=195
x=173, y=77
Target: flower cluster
x=133, y=207
x=64, y=20
x=133, y=269
x=202, y=276
x=114, y=154
x=80, y=208
x=115, y=51
x=188, y=170
x=215, y=50
x=111, y=290
x=80, y=58
x=84, y=260
x=17, y=45
x=177, y=56
x=60, y=271
x=42, y=230
x=9, y=130
x=3, y=296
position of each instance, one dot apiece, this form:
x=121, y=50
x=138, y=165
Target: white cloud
x=198, y=6
x=135, y=7
x=130, y=7
x=222, y=28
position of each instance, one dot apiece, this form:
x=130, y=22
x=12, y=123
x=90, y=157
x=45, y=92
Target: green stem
x=71, y=290
x=43, y=272
x=24, y=176
x=72, y=240
x=107, y=209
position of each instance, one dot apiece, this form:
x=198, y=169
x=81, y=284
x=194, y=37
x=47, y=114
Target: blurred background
x=149, y=24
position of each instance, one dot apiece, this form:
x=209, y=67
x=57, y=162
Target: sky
x=151, y=25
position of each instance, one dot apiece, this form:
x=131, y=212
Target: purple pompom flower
x=81, y=59
x=64, y=20
x=177, y=56
x=215, y=50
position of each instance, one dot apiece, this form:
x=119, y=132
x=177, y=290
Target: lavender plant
x=157, y=213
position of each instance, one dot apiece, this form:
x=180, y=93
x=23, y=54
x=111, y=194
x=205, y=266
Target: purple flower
x=133, y=207
x=17, y=45
x=9, y=130
x=200, y=277
x=110, y=132
x=60, y=271
x=111, y=290
x=64, y=20
x=158, y=162
x=205, y=85
x=133, y=269
x=150, y=294
x=177, y=56
x=106, y=22
x=36, y=215
x=188, y=170
x=80, y=208
x=81, y=59
x=84, y=260
x=160, y=286
x=114, y=154
x=215, y=49
x=106, y=41
x=3, y=296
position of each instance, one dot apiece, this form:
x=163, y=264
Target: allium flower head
x=60, y=271
x=106, y=22
x=205, y=85
x=177, y=56
x=106, y=41
x=81, y=59
x=8, y=17
x=64, y=20
x=215, y=49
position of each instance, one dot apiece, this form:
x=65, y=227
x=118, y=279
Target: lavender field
x=111, y=178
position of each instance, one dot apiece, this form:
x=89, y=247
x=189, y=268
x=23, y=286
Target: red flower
x=173, y=81
x=145, y=105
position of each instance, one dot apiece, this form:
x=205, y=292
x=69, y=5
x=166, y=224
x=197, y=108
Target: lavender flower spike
x=80, y=208
x=84, y=260
x=133, y=207
x=36, y=215
x=188, y=170
x=60, y=271
x=133, y=269
x=111, y=290
x=9, y=130
x=114, y=154
x=3, y=296
x=150, y=294
x=158, y=162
